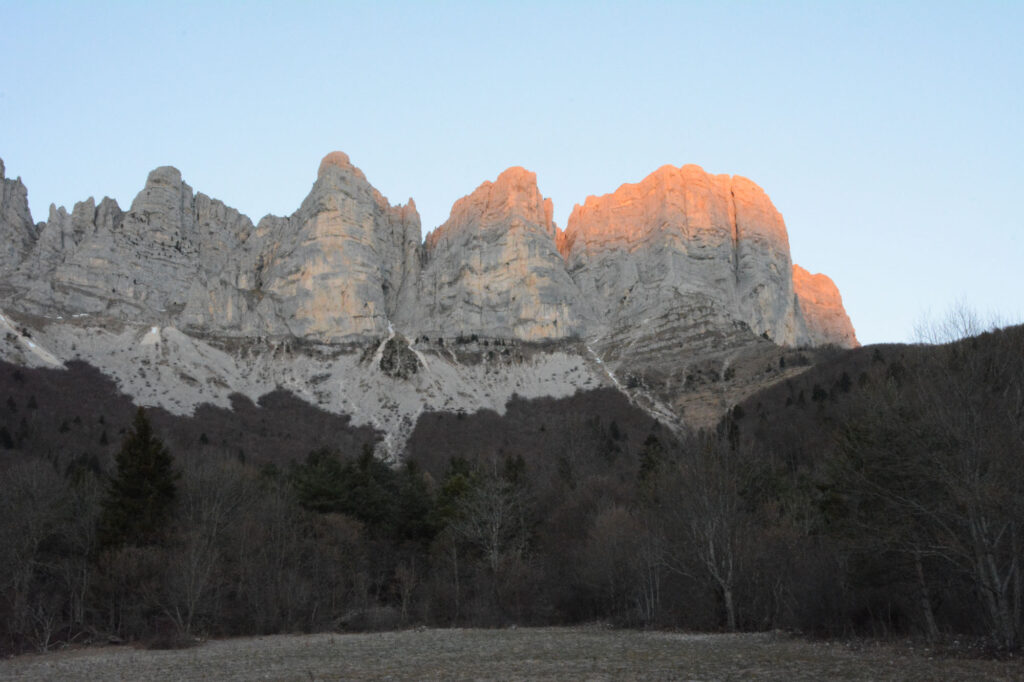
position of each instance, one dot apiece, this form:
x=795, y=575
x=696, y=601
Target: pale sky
x=890, y=135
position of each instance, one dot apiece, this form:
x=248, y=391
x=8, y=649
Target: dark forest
x=880, y=493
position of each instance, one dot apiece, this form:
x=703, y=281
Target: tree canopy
x=139, y=499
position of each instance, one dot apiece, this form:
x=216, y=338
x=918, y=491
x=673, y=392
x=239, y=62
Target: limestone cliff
x=332, y=271
x=336, y=268
x=822, y=308
x=138, y=266
x=679, y=250
x=681, y=260
x=493, y=269
x=17, y=234
x=678, y=290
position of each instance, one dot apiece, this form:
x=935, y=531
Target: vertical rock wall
x=680, y=260
x=822, y=308
x=493, y=269
x=17, y=234
x=683, y=239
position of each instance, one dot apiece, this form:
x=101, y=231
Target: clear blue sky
x=890, y=135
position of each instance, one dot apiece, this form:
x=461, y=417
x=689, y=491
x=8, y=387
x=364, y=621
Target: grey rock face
x=332, y=271
x=17, y=233
x=653, y=255
x=220, y=298
x=337, y=267
x=764, y=283
x=60, y=239
x=136, y=266
x=493, y=269
x=675, y=290
x=681, y=260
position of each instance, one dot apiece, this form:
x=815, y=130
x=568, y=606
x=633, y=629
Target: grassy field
x=580, y=653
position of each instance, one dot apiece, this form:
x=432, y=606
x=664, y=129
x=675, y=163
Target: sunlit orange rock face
x=684, y=245
x=683, y=261
x=822, y=309
x=337, y=267
x=493, y=269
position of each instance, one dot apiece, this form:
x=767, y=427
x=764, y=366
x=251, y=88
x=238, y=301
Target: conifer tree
x=138, y=502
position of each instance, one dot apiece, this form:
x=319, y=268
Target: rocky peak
x=337, y=177
x=337, y=160
x=337, y=268
x=135, y=266
x=512, y=200
x=645, y=261
x=822, y=309
x=17, y=233
x=161, y=176
x=685, y=199
x=668, y=281
x=493, y=269
x=682, y=238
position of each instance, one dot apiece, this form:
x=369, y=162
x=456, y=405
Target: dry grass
x=580, y=653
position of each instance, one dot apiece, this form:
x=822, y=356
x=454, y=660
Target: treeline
x=164, y=548
x=902, y=469
x=879, y=493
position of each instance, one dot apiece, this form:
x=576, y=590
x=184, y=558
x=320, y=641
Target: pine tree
x=138, y=502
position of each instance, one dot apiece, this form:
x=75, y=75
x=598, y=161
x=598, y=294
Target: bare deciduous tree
x=971, y=397
x=708, y=521
x=212, y=493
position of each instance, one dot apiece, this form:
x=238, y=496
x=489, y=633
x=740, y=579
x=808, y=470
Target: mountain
x=677, y=291
x=822, y=309
x=679, y=249
x=493, y=269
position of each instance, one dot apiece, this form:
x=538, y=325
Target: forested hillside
x=879, y=492
x=905, y=464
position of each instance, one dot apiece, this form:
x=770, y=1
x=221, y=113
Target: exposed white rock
x=169, y=368
x=17, y=233
x=764, y=284
x=336, y=269
x=681, y=240
x=493, y=269
x=347, y=264
x=183, y=300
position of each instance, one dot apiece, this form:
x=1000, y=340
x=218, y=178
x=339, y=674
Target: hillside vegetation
x=879, y=492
